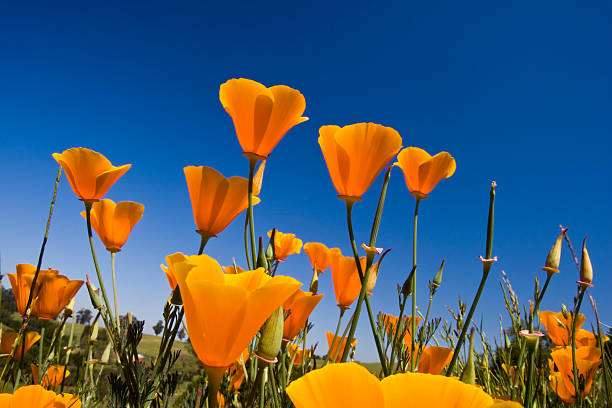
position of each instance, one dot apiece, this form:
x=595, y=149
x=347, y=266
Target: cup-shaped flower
x=114, y=222
x=434, y=359
x=261, y=115
x=215, y=200
x=336, y=346
x=89, y=173
x=320, y=256
x=588, y=360
x=352, y=385
x=52, y=378
x=355, y=154
x=300, y=354
x=172, y=260
x=21, y=282
x=285, y=245
x=55, y=294
x=31, y=396
x=558, y=327
x=297, y=309
x=225, y=311
x=345, y=277
x=422, y=171
x=8, y=341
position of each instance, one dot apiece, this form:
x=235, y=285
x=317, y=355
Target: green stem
x=333, y=343
x=246, y=241
x=486, y=268
x=414, y=264
x=113, y=253
x=581, y=292
x=88, y=205
x=252, y=164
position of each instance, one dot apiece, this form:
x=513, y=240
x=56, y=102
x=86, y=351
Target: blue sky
x=517, y=92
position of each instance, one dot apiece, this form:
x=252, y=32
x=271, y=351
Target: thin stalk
x=604, y=359
x=69, y=350
x=113, y=253
x=252, y=164
x=422, y=336
x=396, y=335
x=88, y=205
x=486, y=268
x=581, y=292
x=246, y=241
x=333, y=343
x=414, y=263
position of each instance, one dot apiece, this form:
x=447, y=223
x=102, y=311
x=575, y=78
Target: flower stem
x=88, y=205
x=486, y=268
x=414, y=264
x=252, y=164
x=113, y=253
x=581, y=291
x=333, y=343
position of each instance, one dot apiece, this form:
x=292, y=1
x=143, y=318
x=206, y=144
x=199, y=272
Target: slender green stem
x=581, y=292
x=113, y=253
x=252, y=164
x=333, y=343
x=246, y=241
x=88, y=205
x=414, y=264
x=486, y=268
x=396, y=335
x=422, y=336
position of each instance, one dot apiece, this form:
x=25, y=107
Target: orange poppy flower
x=352, y=385
x=224, y=311
x=215, y=200
x=390, y=324
x=53, y=377
x=54, y=295
x=422, y=171
x=8, y=340
x=319, y=255
x=587, y=362
x=33, y=396
x=345, y=277
x=558, y=327
x=66, y=400
x=232, y=269
x=355, y=154
x=172, y=260
x=299, y=353
x=89, y=173
x=261, y=116
x=434, y=359
x=298, y=307
x=21, y=282
x=114, y=222
x=339, y=343
x=285, y=245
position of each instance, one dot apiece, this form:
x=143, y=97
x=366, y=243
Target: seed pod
x=271, y=336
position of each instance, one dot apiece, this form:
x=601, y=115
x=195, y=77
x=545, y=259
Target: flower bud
x=94, y=295
x=554, y=256
x=262, y=262
x=270, y=250
x=437, y=280
x=468, y=375
x=407, y=286
x=314, y=283
x=69, y=309
x=564, y=311
x=586, y=269
x=271, y=336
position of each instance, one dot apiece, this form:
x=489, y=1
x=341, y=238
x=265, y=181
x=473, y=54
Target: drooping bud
x=468, y=375
x=314, y=283
x=586, y=268
x=407, y=286
x=271, y=336
x=262, y=262
x=554, y=256
x=94, y=295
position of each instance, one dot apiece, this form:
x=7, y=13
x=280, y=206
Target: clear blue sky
x=517, y=92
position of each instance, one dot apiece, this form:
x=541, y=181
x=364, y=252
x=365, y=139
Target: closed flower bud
x=564, y=312
x=468, y=375
x=94, y=295
x=554, y=256
x=586, y=269
x=270, y=247
x=437, y=280
x=314, y=283
x=407, y=286
x=271, y=336
x=69, y=309
x=261, y=257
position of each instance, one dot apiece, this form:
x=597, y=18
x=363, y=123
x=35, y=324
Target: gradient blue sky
x=517, y=92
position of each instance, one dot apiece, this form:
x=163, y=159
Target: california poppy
x=300, y=354
x=8, y=341
x=588, y=360
x=352, y=385
x=434, y=359
x=215, y=200
x=21, y=282
x=114, y=222
x=355, y=154
x=345, y=277
x=33, y=396
x=285, y=245
x=262, y=116
x=89, y=173
x=319, y=255
x=55, y=294
x=66, y=400
x=298, y=307
x=225, y=311
x=337, y=345
x=422, y=171
x=52, y=378
x=558, y=327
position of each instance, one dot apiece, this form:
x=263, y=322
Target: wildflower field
x=248, y=323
